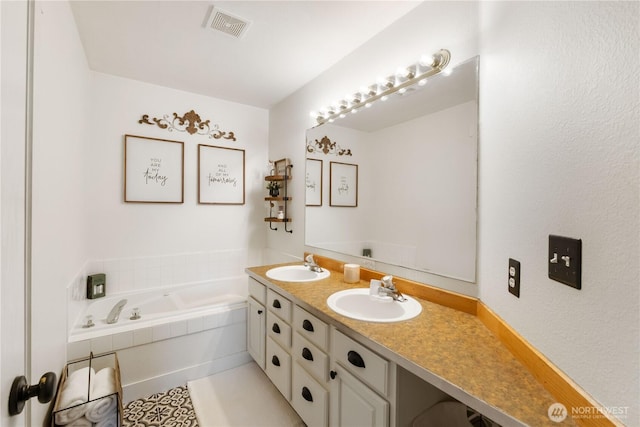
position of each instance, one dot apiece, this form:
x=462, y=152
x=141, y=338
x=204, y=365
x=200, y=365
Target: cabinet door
x=256, y=331
x=355, y=404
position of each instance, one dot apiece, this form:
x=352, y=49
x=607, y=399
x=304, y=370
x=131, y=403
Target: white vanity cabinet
x=256, y=322
x=278, y=355
x=328, y=376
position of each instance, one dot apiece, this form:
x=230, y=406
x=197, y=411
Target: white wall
x=60, y=129
x=558, y=154
x=119, y=229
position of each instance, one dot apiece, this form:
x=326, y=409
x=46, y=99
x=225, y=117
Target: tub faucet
x=115, y=311
x=388, y=288
x=311, y=263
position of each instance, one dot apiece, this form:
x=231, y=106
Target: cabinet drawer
x=312, y=328
x=360, y=361
x=279, y=330
x=279, y=305
x=309, y=398
x=279, y=368
x=257, y=290
x=310, y=357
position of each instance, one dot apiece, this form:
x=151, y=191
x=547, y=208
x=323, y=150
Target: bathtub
x=184, y=332
x=160, y=306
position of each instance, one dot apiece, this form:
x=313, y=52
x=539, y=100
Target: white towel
x=70, y=415
x=104, y=383
x=76, y=387
x=80, y=422
x=73, y=395
x=102, y=408
x=108, y=422
x=103, y=404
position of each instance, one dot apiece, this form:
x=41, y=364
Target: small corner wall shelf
x=278, y=196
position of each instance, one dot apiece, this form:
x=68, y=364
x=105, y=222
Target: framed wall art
x=343, y=183
x=220, y=175
x=153, y=170
x=313, y=182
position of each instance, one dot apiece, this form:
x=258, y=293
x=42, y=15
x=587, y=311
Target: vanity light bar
x=403, y=78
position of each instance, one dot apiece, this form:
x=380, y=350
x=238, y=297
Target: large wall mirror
x=405, y=174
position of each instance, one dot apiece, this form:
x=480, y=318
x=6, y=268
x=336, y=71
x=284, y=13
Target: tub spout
x=114, y=314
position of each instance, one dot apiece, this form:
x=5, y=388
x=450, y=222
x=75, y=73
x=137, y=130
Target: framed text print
x=220, y=175
x=153, y=170
x=343, y=183
x=313, y=182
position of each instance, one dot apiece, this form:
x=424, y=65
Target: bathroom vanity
x=385, y=374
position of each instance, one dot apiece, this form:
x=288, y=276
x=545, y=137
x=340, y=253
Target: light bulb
x=427, y=60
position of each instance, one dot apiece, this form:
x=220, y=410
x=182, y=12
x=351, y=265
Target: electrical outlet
x=514, y=277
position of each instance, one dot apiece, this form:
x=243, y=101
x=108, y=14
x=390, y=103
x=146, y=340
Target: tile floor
x=172, y=408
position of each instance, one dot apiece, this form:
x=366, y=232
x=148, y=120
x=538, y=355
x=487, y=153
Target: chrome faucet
x=114, y=314
x=388, y=288
x=311, y=263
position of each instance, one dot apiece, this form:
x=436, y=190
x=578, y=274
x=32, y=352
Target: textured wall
x=559, y=155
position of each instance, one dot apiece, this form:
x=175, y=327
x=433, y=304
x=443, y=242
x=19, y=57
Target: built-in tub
x=159, y=306
x=184, y=332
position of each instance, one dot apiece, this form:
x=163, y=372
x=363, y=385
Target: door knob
x=21, y=391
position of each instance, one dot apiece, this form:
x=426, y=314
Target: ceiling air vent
x=227, y=23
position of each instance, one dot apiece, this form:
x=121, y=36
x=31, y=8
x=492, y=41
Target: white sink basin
x=358, y=304
x=296, y=273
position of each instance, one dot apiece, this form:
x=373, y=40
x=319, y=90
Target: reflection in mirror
x=417, y=178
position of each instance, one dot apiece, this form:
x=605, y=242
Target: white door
x=14, y=253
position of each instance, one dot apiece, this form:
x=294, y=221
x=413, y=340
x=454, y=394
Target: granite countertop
x=451, y=349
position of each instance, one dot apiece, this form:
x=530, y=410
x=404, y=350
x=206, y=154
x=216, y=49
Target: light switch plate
x=514, y=277
x=565, y=260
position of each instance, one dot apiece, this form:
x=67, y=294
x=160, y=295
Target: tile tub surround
x=448, y=348
x=147, y=272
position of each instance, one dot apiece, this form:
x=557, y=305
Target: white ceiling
x=288, y=44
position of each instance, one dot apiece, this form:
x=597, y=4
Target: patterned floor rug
x=172, y=408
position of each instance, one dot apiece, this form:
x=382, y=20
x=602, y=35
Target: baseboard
x=147, y=387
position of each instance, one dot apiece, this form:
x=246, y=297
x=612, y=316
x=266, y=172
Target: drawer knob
x=355, y=359
x=306, y=353
x=259, y=311
x=275, y=328
x=306, y=394
x=307, y=326
x=276, y=303
x=275, y=361
x=333, y=375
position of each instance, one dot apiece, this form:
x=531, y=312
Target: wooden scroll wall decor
x=189, y=122
x=326, y=146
